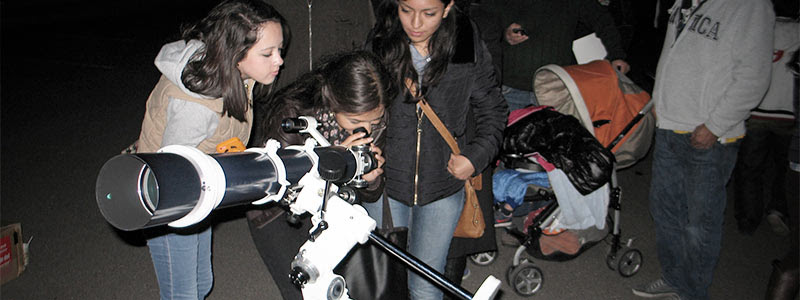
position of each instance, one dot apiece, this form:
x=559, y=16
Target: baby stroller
x=612, y=113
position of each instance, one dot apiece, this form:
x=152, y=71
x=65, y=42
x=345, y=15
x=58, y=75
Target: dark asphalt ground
x=74, y=82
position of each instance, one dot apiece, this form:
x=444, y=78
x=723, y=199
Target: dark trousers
x=784, y=282
x=277, y=242
x=761, y=169
x=454, y=271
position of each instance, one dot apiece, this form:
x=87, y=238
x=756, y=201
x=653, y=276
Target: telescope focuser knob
x=292, y=218
x=299, y=277
x=347, y=193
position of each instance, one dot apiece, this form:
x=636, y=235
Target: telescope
x=180, y=186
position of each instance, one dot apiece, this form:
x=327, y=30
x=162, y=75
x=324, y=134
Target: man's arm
x=597, y=17
x=752, y=62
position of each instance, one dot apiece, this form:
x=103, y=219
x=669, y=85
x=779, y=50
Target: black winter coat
x=468, y=86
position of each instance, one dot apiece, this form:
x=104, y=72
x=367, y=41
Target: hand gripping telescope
x=180, y=186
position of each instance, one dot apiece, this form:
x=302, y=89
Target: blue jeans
x=687, y=203
x=517, y=98
x=429, y=234
x=183, y=264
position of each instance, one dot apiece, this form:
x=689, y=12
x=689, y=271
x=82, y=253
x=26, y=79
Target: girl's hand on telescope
x=372, y=175
x=358, y=139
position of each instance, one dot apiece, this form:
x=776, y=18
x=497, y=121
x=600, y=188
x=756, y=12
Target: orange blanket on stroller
x=604, y=103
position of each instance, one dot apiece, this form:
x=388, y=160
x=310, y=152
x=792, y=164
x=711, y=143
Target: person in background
x=784, y=282
x=460, y=248
x=539, y=32
x=714, y=68
x=347, y=91
x=430, y=47
x=204, y=98
x=761, y=166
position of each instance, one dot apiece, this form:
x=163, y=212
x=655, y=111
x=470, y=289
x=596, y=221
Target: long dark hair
x=349, y=82
x=391, y=44
x=228, y=32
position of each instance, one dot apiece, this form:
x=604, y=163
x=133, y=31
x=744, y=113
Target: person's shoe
x=523, y=209
x=655, y=289
x=777, y=221
x=502, y=218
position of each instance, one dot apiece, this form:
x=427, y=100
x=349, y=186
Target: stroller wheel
x=629, y=263
x=511, y=268
x=483, y=258
x=611, y=261
x=526, y=279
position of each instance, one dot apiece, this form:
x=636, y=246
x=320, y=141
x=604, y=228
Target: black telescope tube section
x=248, y=176
x=136, y=191
x=251, y=176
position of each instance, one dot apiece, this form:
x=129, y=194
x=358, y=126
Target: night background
x=74, y=76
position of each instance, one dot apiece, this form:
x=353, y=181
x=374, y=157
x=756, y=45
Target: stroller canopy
x=603, y=100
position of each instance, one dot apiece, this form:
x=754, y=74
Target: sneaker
x=655, y=289
x=777, y=221
x=502, y=218
x=466, y=274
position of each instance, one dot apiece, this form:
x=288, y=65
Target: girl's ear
x=447, y=9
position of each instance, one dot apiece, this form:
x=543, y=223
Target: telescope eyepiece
x=293, y=125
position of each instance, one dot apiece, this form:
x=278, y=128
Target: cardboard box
x=12, y=255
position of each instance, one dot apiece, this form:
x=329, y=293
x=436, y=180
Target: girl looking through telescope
x=348, y=91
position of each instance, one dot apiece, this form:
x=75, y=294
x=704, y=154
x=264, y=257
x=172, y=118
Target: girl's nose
x=416, y=21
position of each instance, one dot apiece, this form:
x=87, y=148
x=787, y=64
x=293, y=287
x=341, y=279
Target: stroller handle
x=630, y=125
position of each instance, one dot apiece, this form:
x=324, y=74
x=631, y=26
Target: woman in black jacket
x=430, y=43
x=349, y=91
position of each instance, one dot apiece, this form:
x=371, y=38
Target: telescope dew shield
x=181, y=185
x=136, y=191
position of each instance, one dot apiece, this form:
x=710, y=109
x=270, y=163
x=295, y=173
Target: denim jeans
x=429, y=234
x=517, y=98
x=183, y=264
x=687, y=203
